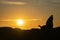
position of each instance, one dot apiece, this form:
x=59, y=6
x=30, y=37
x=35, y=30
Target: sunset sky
x=33, y=12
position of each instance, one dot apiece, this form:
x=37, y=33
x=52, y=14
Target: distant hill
x=7, y=33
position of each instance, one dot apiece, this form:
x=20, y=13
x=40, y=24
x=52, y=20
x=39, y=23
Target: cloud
x=13, y=3
x=55, y=1
x=23, y=19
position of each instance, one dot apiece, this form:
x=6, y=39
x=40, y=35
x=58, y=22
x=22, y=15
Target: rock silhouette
x=8, y=33
x=49, y=24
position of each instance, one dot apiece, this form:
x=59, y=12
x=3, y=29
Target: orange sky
x=33, y=12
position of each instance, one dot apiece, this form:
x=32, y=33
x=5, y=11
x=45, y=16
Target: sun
x=20, y=22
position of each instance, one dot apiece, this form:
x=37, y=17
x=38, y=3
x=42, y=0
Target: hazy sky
x=34, y=12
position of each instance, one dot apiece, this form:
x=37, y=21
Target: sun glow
x=20, y=22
